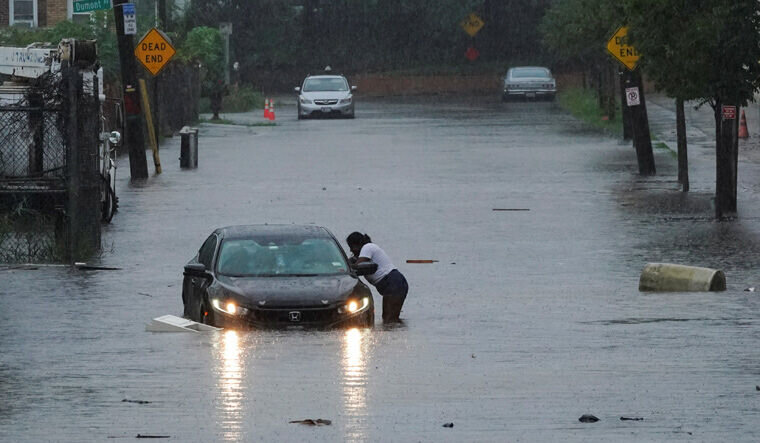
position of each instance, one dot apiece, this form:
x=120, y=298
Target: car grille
x=325, y=102
x=307, y=316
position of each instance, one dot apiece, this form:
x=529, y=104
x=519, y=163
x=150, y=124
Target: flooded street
x=528, y=320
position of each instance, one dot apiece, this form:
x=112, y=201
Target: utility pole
x=138, y=163
x=642, y=139
x=726, y=158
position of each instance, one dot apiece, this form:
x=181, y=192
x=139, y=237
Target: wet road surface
x=530, y=319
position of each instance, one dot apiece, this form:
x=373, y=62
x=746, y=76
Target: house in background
x=37, y=13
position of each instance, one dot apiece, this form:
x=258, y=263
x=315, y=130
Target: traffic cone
x=266, y=109
x=743, y=132
x=271, y=110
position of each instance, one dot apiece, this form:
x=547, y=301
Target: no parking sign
x=632, y=96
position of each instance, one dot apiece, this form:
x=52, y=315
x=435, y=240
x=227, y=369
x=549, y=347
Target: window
x=23, y=13
x=206, y=254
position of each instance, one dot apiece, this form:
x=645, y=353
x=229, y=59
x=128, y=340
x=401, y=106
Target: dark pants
x=393, y=287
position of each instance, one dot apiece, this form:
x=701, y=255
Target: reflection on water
x=355, y=382
x=229, y=383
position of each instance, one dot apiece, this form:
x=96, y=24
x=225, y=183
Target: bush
x=584, y=105
x=244, y=100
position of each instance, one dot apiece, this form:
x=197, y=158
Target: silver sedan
x=324, y=95
x=529, y=82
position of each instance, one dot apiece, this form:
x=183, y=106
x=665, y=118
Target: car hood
x=291, y=291
x=326, y=95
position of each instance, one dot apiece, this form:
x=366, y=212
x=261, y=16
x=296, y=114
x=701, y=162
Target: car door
x=197, y=285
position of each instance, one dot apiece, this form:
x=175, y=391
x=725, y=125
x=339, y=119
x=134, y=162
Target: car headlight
x=305, y=101
x=228, y=307
x=353, y=306
x=344, y=101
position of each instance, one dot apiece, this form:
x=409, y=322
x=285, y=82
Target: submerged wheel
x=207, y=315
x=367, y=320
x=109, y=205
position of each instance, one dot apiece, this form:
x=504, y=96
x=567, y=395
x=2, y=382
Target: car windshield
x=530, y=72
x=280, y=257
x=325, y=84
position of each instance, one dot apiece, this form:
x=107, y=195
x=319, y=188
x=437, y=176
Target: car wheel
x=351, y=115
x=300, y=117
x=109, y=205
x=368, y=319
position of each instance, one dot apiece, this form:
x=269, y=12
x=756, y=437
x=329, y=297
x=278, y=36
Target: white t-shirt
x=378, y=256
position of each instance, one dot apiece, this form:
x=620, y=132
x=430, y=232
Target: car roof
x=516, y=68
x=294, y=231
x=325, y=76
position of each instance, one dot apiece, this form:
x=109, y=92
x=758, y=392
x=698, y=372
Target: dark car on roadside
x=529, y=82
x=274, y=276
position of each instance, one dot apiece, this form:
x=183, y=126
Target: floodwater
x=529, y=319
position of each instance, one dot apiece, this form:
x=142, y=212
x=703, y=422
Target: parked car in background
x=529, y=82
x=325, y=95
x=273, y=276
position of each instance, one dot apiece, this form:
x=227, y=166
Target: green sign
x=90, y=5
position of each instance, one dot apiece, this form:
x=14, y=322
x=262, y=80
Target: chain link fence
x=49, y=179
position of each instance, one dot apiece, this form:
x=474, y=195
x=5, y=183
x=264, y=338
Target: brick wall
x=4, y=12
x=55, y=11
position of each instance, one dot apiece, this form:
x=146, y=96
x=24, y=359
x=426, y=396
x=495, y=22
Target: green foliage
x=204, y=45
x=584, y=105
x=245, y=99
x=700, y=49
x=369, y=35
x=576, y=31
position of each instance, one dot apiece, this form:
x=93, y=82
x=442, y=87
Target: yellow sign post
x=619, y=48
x=472, y=24
x=154, y=51
x=149, y=122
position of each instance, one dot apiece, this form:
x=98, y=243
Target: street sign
x=154, y=51
x=81, y=6
x=130, y=18
x=632, y=96
x=472, y=54
x=729, y=112
x=472, y=24
x=620, y=49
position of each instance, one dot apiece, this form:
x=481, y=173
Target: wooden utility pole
x=626, y=111
x=642, y=140
x=683, y=160
x=138, y=163
x=726, y=158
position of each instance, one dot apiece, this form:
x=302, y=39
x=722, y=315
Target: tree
x=704, y=50
x=205, y=46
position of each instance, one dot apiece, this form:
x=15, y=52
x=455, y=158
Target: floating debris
x=312, y=422
x=448, y=425
x=588, y=418
x=631, y=419
x=510, y=209
x=752, y=289
x=139, y=402
x=152, y=436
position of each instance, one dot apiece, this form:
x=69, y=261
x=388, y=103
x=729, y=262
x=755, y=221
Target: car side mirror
x=365, y=268
x=195, y=269
x=353, y=88
x=297, y=89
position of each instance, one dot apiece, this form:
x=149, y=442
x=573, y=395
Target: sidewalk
x=700, y=127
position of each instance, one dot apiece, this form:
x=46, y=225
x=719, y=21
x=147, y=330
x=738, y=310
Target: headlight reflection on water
x=355, y=381
x=230, y=377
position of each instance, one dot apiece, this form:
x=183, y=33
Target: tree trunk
x=683, y=160
x=726, y=158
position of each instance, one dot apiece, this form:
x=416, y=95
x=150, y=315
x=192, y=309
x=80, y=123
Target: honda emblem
x=294, y=316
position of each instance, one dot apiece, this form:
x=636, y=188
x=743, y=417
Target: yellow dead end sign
x=620, y=49
x=472, y=24
x=154, y=51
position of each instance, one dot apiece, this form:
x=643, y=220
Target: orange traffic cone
x=266, y=109
x=271, y=110
x=743, y=132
